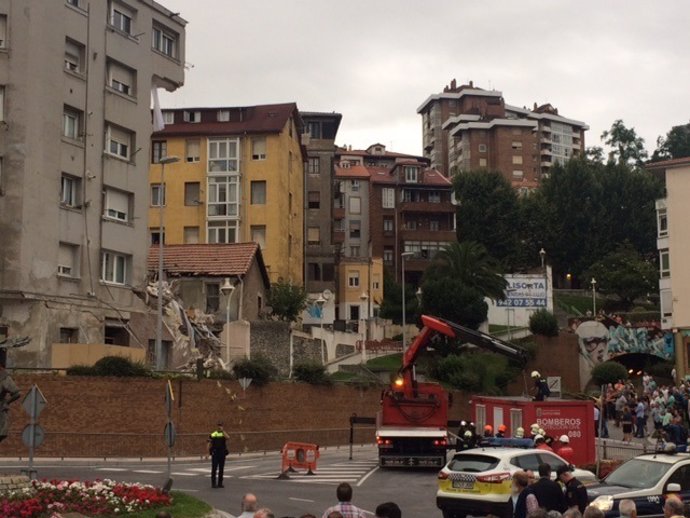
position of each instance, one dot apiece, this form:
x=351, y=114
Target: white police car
x=647, y=480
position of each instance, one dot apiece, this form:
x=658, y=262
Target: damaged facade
x=75, y=143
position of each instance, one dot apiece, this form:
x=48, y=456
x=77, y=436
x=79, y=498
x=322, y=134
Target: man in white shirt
x=248, y=506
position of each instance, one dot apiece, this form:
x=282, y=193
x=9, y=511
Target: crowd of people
x=658, y=411
x=673, y=508
x=343, y=509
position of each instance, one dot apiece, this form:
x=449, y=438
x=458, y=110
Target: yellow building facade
x=239, y=178
x=360, y=288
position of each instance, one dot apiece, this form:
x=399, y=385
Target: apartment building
x=320, y=130
x=75, y=88
x=240, y=178
x=673, y=242
x=468, y=128
x=376, y=155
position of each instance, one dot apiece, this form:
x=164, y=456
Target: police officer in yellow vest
x=218, y=450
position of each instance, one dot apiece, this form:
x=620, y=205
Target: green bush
x=543, y=322
x=609, y=372
x=220, y=374
x=259, y=369
x=81, y=370
x=474, y=372
x=120, y=367
x=312, y=373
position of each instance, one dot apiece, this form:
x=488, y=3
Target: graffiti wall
x=604, y=339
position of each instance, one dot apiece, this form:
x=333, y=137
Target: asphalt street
x=413, y=491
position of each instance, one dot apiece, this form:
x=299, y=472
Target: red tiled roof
x=267, y=118
x=354, y=171
x=214, y=260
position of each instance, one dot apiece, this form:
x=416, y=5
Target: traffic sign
x=169, y=433
x=34, y=402
x=38, y=435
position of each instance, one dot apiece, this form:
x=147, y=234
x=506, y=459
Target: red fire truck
x=412, y=425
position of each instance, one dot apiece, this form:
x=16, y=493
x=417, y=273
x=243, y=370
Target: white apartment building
x=76, y=79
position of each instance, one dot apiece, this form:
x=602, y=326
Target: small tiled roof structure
x=353, y=171
x=208, y=260
x=674, y=162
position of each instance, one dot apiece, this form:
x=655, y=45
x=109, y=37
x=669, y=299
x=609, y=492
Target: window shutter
x=118, y=201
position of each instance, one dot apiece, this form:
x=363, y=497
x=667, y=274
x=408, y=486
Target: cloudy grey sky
x=375, y=61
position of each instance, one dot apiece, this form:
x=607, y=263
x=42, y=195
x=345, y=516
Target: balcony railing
x=425, y=206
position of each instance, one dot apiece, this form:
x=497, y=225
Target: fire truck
x=412, y=424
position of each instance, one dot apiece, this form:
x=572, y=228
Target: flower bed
x=49, y=499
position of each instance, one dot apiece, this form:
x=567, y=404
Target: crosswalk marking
x=147, y=471
x=329, y=474
x=112, y=469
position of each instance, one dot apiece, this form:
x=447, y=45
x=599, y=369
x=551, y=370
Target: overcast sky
x=376, y=61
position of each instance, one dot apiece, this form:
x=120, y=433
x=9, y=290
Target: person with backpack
x=541, y=386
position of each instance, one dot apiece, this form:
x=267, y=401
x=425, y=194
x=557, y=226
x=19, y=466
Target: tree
x=624, y=273
x=287, y=300
x=626, y=146
x=543, y=322
x=595, y=154
x=470, y=264
x=449, y=298
x=487, y=211
x=676, y=144
x=391, y=307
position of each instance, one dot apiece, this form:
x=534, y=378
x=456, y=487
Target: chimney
x=445, y=89
x=453, y=84
x=471, y=84
x=535, y=106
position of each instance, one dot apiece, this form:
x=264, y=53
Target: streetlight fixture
x=227, y=290
x=593, y=282
x=159, y=313
x=404, y=256
x=364, y=297
x=542, y=256
x=320, y=302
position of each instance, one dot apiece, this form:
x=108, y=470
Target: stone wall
x=271, y=340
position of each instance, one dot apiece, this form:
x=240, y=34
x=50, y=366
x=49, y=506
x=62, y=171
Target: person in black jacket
x=218, y=450
x=575, y=491
x=548, y=493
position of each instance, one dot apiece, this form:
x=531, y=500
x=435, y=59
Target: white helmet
x=542, y=432
x=535, y=374
x=467, y=435
x=520, y=432
x=534, y=428
x=564, y=439
x=538, y=438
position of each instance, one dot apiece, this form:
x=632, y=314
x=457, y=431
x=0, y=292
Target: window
x=192, y=150
x=69, y=335
x=517, y=174
x=223, y=116
x=666, y=303
x=223, y=155
x=313, y=271
x=191, y=193
x=191, y=235
x=191, y=116
x=355, y=203
x=313, y=165
x=482, y=148
x=165, y=41
x=434, y=197
x=328, y=271
x=411, y=174
x=354, y=185
x=119, y=142
x=157, y=195
x=482, y=162
x=354, y=251
x=353, y=279
x=159, y=149
x=314, y=199
x=517, y=145
x=388, y=255
x=388, y=225
x=114, y=268
x=121, y=78
x=212, y=297
x=388, y=198
x=354, y=312
x=258, y=193
x=376, y=283
x=71, y=123
x=223, y=196
x=313, y=235
x=117, y=205
x=68, y=260
x=69, y=190
x=121, y=18
x=168, y=117
x=222, y=231
x=662, y=223
x=664, y=263
x=259, y=235
x=3, y=31
x=355, y=229
x=517, y=159
x=314, y=129
x=74, y=56
x=411, y=225
x=156, y=236
x=434, y=225
x=259, y=148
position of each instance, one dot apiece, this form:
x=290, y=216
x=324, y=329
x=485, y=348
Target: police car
x=647, y=480
x=478, y=481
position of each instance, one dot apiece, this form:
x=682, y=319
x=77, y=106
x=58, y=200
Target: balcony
x=428, y=207
x=338, y=212
x=546, y=163
x=338, y=237
x=428, y=235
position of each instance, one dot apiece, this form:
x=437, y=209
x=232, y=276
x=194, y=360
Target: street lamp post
x=320, y=302
x=159, y=314
x=593, y=282
x=227, y=290
x=542, y=256
x=364, y=297
x=404, y=256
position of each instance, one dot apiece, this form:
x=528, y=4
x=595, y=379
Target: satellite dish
x=327, y=294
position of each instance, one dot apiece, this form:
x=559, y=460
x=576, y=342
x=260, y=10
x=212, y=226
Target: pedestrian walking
x=640, y=419
x=627, y=424
x=218, y=450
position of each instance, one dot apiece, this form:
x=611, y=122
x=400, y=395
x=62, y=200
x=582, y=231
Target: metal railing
x=618, y=450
